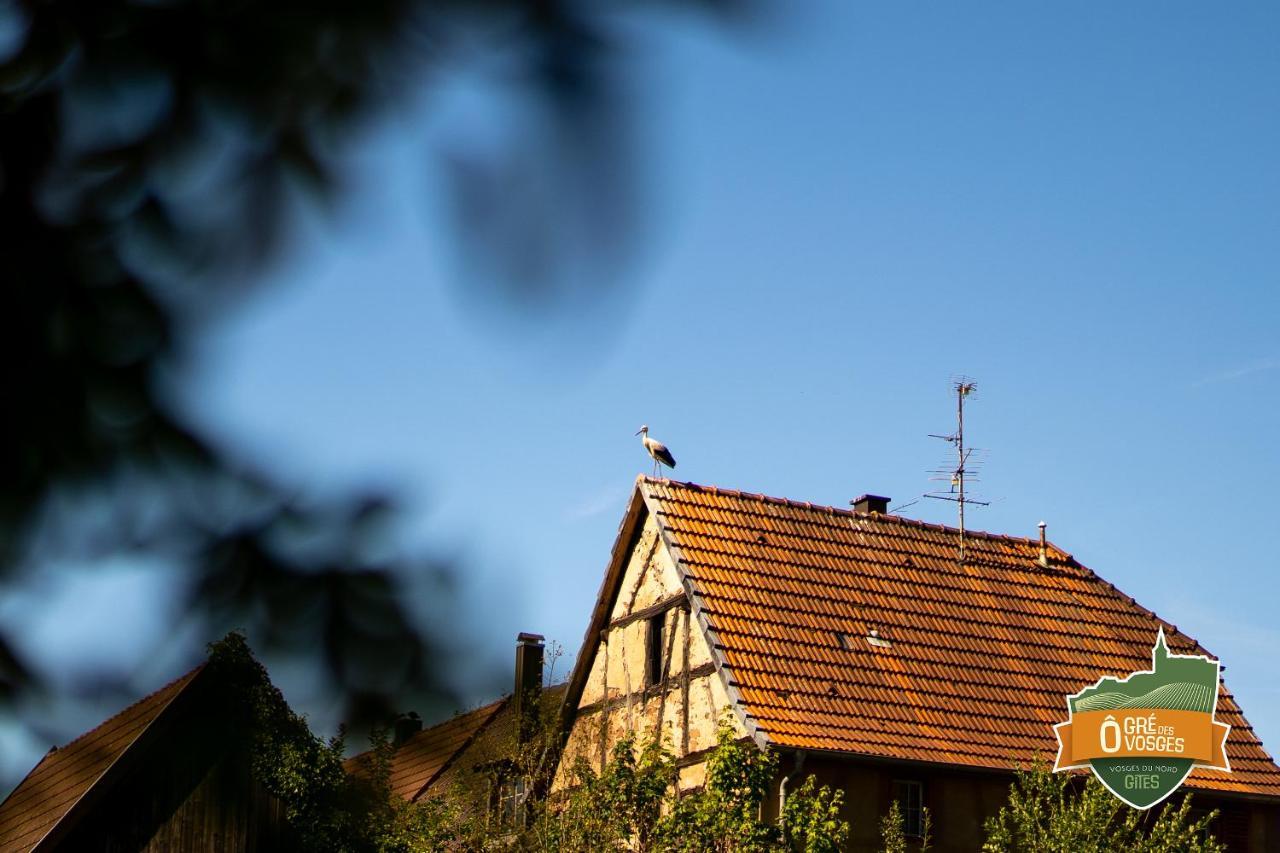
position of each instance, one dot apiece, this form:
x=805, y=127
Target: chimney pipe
x=871, y=503
x=407, y=725
x=528, y=687
x=1044, y=547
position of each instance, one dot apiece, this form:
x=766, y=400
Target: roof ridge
x=472, y=710
x=458, y=716
x=873, y=516
x=186, y=675
x=907, y=554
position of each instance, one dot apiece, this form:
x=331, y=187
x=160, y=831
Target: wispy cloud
x=610, y=498
x=1262, y=365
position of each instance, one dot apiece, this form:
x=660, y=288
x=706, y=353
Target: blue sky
x=1076, y=205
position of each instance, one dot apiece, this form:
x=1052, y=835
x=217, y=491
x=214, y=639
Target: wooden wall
x=960, y=801
x=190, y=789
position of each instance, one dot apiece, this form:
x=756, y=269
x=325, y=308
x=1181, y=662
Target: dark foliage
x=152, y=156
x=326, y=808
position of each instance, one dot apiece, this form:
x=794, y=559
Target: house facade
x=648, y=665
x=871, y=651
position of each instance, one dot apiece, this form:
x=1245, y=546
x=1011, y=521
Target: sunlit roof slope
x=969, y=662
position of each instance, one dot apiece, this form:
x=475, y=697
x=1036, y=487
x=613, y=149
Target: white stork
x=656, y=449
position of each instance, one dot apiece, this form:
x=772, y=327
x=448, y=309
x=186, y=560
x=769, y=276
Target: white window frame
x=909, y=793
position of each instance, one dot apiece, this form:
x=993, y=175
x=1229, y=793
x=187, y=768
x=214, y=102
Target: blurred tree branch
x=149, y=152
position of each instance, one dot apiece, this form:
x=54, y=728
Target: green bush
x=1053, y=812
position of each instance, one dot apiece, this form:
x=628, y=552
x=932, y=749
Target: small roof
x=422, y=760
x=418, y=761
x=63, y=779
x=970, y=663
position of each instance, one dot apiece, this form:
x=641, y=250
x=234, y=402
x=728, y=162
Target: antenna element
x=963, y=386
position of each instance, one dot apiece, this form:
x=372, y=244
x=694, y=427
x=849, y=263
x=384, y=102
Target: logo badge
x=1142, y=735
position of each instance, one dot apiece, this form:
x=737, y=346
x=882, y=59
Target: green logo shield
x=1143, y=734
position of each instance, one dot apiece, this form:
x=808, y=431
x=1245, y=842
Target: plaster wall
x=684, y=706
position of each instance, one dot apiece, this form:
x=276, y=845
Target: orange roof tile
x=982, y=653
x=51, y=791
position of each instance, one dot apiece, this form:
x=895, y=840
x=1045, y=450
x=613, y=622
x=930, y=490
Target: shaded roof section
x=974, y=662
x=422, y=760
x=418, y=761
x=65, y=776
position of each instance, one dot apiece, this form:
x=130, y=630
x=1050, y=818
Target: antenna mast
x=964, y=386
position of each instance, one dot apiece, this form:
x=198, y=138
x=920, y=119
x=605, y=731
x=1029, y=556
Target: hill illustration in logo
x=1179, y=696
x=1175, y=683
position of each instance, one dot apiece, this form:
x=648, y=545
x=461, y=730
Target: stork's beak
x=639, y=431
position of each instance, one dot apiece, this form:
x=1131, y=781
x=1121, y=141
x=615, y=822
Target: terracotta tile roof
x=51, y=791
x=423, y=757
x=981, y=654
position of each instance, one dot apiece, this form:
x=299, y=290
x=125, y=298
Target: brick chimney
x=528, y=686
x=871, y=503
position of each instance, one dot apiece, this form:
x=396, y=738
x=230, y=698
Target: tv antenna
x=965, y=468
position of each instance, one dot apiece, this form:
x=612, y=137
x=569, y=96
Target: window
x=508, y=801
x=910, y=797
x=653, y=649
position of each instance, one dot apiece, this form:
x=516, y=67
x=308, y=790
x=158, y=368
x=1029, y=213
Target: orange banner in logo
x=1142, y=733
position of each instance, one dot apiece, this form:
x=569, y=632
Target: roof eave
x=1192, y=787
x=630, y=527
